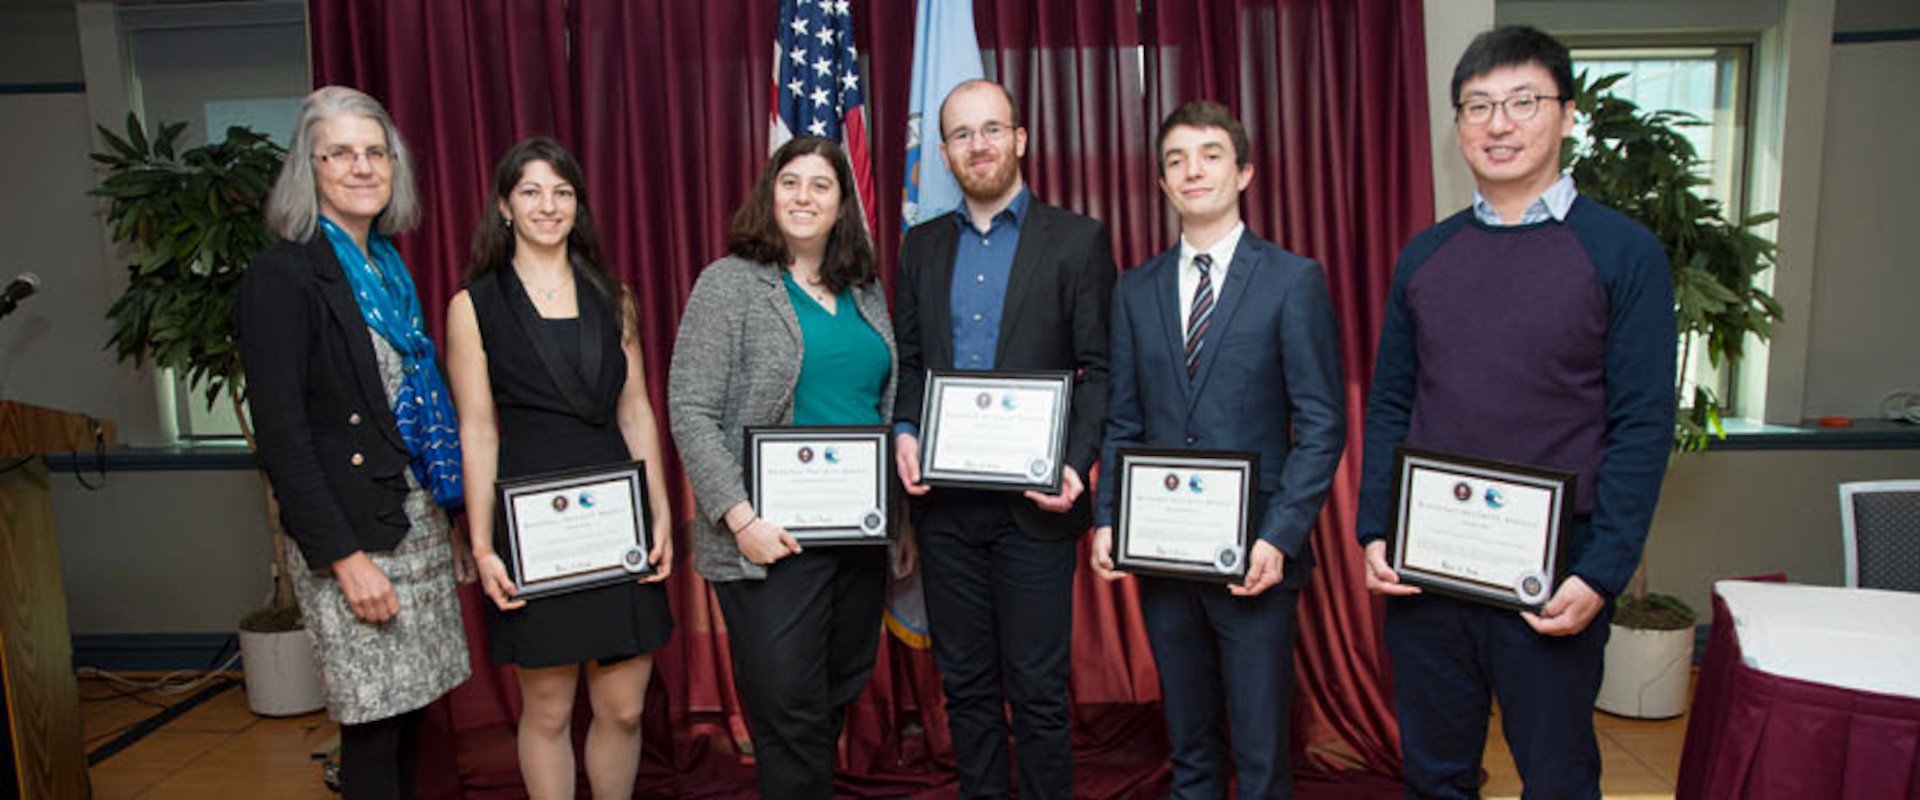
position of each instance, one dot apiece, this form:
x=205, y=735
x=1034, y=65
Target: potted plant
x=1641, y=163
x=193, y=219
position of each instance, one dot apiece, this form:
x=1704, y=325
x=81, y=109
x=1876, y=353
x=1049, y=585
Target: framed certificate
x=577, y=529
x=995, y=430
x=1184, y=513
x=827, y=485
x=1480, y=529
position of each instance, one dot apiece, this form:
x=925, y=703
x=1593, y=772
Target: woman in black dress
x=545, y=338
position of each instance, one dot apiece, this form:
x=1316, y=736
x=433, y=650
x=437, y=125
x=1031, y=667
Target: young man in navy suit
x=1226, y=342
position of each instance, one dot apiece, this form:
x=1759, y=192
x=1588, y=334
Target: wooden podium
x=45, y=757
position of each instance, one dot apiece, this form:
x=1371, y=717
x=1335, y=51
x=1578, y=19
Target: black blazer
x=327, y=436
x=1055, y=318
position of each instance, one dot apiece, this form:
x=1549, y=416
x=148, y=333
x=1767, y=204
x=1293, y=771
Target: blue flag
x=946, y=53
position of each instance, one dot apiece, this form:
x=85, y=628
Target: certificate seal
x=634, y=560
x=1531, y=587
x=1039, y=467
x=872, y=521
x=1227, y=560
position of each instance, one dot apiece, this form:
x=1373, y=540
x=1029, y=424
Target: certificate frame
x=871, y=516
x=1155, y=483
x=1519, y=510
x=1041, y=471
x=617, y=487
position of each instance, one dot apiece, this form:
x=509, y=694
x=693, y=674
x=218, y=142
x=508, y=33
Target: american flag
x=816, y=87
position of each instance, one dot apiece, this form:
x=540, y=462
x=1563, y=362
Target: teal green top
x=843, y=363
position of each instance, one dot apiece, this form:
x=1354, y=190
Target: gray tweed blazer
x=735, y=364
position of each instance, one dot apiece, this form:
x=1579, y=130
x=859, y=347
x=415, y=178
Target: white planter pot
x=1646, y=673
x=282, y=678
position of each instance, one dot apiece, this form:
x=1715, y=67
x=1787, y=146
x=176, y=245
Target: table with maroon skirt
x=1806, y=692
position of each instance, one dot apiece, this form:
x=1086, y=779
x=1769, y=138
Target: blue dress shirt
x=982, y=264
x=1553, y=204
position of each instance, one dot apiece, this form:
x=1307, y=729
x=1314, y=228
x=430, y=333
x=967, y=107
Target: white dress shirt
x=1222, y=254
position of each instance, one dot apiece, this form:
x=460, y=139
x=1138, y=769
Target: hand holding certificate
x=995, y=430
x=823, y=484
x=1484, y=530
x=577, y=529
x=1184, y=513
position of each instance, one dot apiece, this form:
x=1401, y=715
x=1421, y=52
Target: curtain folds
x=666, y=104
x=463, y=81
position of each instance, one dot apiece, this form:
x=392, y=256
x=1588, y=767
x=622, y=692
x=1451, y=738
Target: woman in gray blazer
x=790, y=328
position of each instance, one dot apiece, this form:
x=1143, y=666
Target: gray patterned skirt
x=373, y=672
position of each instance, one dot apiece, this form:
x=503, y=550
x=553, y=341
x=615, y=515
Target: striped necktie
x=1200, y=313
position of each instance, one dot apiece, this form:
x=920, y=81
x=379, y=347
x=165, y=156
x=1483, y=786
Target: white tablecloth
x=1863, y=639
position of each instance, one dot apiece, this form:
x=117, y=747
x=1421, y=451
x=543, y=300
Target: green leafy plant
x=1642, y=164
x=192, y=219
x=1655, y=612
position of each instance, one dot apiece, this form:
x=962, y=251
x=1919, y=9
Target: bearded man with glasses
x=1004, y=282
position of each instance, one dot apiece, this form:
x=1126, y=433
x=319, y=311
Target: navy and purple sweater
x=1550, y=344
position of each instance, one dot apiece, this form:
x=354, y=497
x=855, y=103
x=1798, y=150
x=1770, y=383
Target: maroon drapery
x=464, y=81
x=665, y=103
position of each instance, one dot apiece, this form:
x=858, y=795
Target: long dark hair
x=755, y=234
x=493, y=241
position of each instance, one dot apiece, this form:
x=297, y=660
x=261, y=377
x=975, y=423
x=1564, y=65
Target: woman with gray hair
x=357, y=432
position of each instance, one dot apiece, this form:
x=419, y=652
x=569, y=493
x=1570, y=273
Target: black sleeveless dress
x=555, y=387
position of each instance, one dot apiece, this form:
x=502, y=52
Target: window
x=1711, y=82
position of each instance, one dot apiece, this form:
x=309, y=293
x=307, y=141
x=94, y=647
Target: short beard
x=991, y=187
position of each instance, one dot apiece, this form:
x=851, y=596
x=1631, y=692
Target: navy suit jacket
x=1268, y=382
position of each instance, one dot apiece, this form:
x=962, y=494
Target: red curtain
x=665, y=103
x=464, y=80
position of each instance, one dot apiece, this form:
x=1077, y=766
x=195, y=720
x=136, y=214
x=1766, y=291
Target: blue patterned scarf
x=423, y=407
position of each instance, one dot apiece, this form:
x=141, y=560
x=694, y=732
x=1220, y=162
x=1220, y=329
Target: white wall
x=51, y=348
x=1450, y=26
x=152, y=552
x=162, y=552
x=1737, y=514
x=1865, y=311
x=42, y=47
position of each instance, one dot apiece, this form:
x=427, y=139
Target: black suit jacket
x=326, y=433
x=1055, y=318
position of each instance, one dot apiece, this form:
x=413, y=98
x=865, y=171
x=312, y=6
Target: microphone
x=20, y=289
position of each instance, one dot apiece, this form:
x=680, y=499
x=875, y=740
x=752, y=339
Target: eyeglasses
x=343, y=158
x=1519, y=107
x=992, y=132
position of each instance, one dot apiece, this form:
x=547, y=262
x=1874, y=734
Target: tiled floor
x=221, y=751
x=1639, y=759
x=218, y=750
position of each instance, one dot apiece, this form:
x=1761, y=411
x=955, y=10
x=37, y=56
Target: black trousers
x=1453, y=658
x=380, y=760
x=1000, y=610
x=803, y=646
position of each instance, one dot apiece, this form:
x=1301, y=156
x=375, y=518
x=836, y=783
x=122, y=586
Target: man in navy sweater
x=1535, y=327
